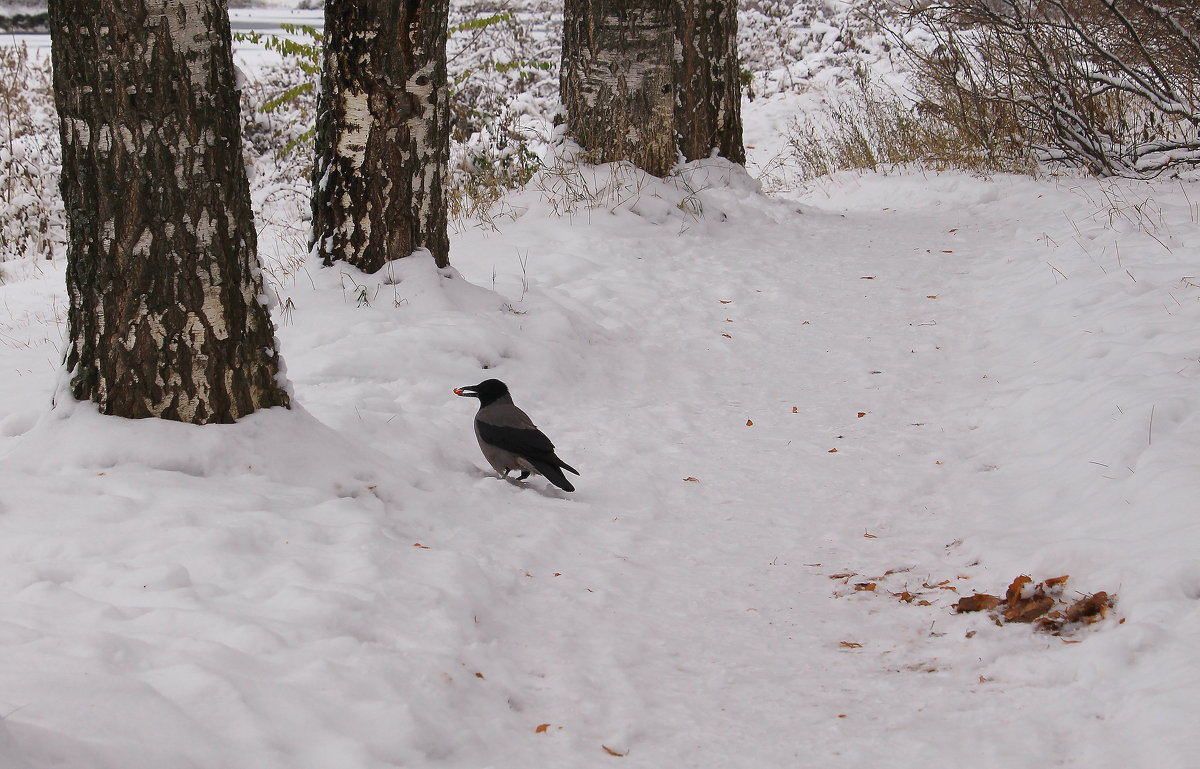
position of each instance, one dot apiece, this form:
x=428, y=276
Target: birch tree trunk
x=708, y=111
x=618, y=81
x=167, y=315
x=383, y=134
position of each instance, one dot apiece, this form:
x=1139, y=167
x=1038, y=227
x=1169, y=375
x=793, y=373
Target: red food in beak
x=458, y=391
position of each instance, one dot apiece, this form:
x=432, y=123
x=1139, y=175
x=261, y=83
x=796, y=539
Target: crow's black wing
x=523, y=441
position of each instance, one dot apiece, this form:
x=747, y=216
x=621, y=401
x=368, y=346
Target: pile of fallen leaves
x=1041, y=604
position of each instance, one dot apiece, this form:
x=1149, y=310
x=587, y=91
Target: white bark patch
x=80, y=134
x=104, y=140
x=418, y=124
x=127, y=139
x=144, y=242
x=204, y=230
x=356, y=128
x=213, y=311
x=108, y=233
x=189, y=34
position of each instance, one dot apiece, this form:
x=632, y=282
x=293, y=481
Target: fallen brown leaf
x=1029, y=609
x=749, y=423
x=690, y=479
x=977, y=602
x=612, y=752
x=865, y=586
x=1090, y=609
x=1014, y=589
x=541, y=729
x=850, y=644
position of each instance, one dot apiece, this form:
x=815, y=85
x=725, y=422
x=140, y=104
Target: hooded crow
x=509, y=439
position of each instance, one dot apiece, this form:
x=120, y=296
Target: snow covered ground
x=928, y=382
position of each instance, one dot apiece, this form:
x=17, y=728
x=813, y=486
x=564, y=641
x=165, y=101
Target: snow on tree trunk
x=167, y=309
x=383, y=137
x=708, y=110
x=618, y=81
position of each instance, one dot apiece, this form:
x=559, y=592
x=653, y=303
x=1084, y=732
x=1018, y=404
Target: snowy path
x=355, y=591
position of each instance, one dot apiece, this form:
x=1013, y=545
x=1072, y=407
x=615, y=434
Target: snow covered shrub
x=280, y=105
x=504, y=77
x=32, y=222
x=786, y=45
x=278, y=112
x=503, y=70
x=1109, y=85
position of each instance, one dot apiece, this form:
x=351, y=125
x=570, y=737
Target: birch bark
x=167, y=313
x=618, y=81
x=383, y=133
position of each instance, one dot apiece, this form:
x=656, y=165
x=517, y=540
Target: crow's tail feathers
x=555, y=476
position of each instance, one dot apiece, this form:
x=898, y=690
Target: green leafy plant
x=305, y=55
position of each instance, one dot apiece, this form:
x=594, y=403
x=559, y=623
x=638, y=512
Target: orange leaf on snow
x=850, y=644
x=1014, y=590
x=867, y=277
x=725, y=301
x=418, y=544
x=977, y=602
x=727, y=336
x=690, y=479
x=832, y=451
x=868, y=586
x=749, y=423
x=862, y=414
x=612, y=752
x=541, y=728
x=931, y=296
x=795, y=410
x=869, y=536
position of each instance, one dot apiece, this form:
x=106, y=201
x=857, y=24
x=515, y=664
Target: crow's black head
x=486, y=391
